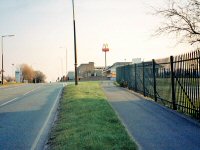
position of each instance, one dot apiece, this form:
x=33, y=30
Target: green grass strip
x=11, y=83
x=87, y=121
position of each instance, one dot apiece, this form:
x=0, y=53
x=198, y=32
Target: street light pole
x=2, y=60
x=61, y=61
x=2, y=70
x=13, y=71
x=66, y=62
x=75, y=50
x=66, y=59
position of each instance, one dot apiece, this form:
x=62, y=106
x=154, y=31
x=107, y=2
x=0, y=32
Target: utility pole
x=75, y=50
x=66, y=62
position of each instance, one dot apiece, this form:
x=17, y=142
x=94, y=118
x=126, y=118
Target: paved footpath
x=152, y=126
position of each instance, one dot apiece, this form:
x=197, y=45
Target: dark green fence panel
x=139, y=78
x=187, y=73
x=163, y=81
x=149, y=79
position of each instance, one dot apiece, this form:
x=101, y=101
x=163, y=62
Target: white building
x=71, y=75
x=136, y=60
x=18, y=76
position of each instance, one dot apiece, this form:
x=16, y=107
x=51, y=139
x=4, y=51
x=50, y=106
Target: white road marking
x=14, y=99
x=31, y=91
x=45, y=123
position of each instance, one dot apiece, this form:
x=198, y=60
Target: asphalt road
x=152, y=126
x=26, y=114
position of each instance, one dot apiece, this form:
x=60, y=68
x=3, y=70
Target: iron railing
x=173, y=82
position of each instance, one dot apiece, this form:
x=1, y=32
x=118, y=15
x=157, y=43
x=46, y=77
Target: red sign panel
x=105, y=49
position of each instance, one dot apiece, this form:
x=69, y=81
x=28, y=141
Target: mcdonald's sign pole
x=105, y=49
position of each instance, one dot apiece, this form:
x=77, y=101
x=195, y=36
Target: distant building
x=86, y=70
x=136, y=60
x=18, y=76
x=98, y=71
x=111, y=71
x=71, y=75
x=89, y=71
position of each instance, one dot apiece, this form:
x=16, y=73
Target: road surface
x=26, y=114
x=152, y=126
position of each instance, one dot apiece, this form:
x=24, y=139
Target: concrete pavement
x=152, y=126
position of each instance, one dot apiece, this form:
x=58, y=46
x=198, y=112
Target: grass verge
x=87, y=121
x=10, y=84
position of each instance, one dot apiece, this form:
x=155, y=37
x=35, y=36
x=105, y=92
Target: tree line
x=30, y=75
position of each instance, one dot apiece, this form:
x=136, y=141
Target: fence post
x=154, y=80
x=143, y=78
x=135, y=78
x=128, y=77
x=123, y=76
x=198, y=80
x=172, y=82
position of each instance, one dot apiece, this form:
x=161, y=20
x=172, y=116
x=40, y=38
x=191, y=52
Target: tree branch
x=182, y=19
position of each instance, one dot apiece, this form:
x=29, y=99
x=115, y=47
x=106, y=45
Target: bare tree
x=182, y=18
x=39, y=77
x=27, y=72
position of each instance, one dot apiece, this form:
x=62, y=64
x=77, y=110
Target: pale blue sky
x=42, y=26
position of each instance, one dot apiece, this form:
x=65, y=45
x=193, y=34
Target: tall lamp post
x=3, y=36
x=75, y=50
x=61, y=63
x=105, y=49
x=13, y=70
x=66, y=59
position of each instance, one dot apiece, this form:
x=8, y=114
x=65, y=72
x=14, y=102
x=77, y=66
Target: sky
x=43, y=32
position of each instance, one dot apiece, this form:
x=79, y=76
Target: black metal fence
x=173, y=82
